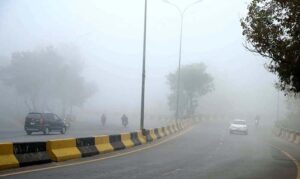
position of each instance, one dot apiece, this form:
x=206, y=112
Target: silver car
x=238, y=126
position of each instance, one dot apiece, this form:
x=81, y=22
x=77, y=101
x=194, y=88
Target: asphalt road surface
x=205, y=151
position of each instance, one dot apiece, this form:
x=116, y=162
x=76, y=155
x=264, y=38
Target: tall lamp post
x=181, y=12
x=144, y=71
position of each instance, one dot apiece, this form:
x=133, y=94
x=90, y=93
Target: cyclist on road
x=103, y=119
x=257, y=119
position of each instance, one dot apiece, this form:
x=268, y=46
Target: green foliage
x=272, y=29
x=45, y=78
x=194, y=82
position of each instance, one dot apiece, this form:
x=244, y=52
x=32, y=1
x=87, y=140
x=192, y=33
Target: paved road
x=206, y=151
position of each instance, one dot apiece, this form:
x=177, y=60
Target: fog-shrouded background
x=108, y=35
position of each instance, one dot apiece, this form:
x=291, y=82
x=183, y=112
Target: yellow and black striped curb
x=287, y=134
x=13, y=155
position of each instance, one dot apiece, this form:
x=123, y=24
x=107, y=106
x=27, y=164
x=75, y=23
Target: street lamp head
x=179, y=9
x=166, y=1
x=198, y=1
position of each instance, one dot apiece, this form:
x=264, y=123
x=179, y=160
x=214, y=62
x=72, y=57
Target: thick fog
x=108, y=35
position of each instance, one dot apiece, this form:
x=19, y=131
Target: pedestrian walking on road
x=124, y=119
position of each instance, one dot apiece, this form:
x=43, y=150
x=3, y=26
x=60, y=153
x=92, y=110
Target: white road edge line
x=291, y=158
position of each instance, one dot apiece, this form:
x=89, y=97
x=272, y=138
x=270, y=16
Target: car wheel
x=63, y=130
x=46, y=131
x=28, y=132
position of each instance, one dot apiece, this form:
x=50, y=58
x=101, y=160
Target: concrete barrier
x=87, y=146
x=135, y=139
x=158, y=136
x=13, y=155
x=292, y=136
x=116, y=142
x=141, y=137
x=297, y=138
x=170, y=129
x=102, y=144
x=63, y=149
x=283, y=134
x=31, y=153
x=166, y=131
x=152, y=134
x=174, y=126
x=287, y=134
x=7, y=157
x=126, y=140
x=160, y=132
x=277, y=131
x=280, y=132
x=179, y=125
x=147, y=135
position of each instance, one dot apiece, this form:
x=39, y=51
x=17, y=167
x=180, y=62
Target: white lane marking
x=172, y=172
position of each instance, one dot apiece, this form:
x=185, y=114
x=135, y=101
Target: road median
x=14, y=155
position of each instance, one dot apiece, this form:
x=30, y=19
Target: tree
x=293, y=105
x=194, y=83
x=46, y=78
x=272, y=29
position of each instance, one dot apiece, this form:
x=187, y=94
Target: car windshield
x=34, y=116
x=239, y=122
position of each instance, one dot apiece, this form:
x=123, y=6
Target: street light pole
x=144, y=71
x=180, y=47
x=179, y=69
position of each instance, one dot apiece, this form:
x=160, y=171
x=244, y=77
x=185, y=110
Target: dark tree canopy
x=272, y=29
x=194, y=82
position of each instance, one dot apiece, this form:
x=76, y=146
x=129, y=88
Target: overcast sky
x=109, y=36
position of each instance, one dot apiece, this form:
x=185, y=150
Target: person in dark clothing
x=124, y=119
x=103, y=119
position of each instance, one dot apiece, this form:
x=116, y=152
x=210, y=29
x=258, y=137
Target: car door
x=50, y=121
x=58, y=122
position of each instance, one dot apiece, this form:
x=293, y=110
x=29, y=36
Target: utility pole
x=144, y=70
